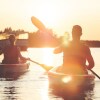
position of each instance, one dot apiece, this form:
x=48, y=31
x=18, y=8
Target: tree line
x=9, y=30
x=40, y=39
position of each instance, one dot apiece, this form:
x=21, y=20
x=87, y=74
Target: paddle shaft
x=50, y=68
x=35, y=62
x=95, y=73
x=47, y=68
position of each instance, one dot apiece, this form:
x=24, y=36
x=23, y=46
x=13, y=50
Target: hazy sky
x=59, y=15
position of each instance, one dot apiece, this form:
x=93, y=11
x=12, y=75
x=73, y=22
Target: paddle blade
x=38, y=23
x=47, y=68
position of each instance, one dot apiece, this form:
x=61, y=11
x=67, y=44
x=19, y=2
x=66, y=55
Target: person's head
x=12, y=39
x=76, y=32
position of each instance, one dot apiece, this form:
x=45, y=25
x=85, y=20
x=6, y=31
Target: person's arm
x=90, y=60
x=1, y=51
x=20, y=55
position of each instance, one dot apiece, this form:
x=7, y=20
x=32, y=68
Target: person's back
x=74, y=59
x=12, y=53
x=76, y=54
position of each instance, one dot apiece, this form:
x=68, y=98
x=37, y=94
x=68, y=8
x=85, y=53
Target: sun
x=46, y=12
x=48, y=17
x=54, y=14
x=48, y=56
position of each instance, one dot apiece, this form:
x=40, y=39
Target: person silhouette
x=12, y=53
x=76, y=55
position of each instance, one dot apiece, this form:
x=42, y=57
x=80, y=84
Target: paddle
x=38, y=23
x=95, y=73
x=47, y=68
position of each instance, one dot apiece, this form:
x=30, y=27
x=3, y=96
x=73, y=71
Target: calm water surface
x=34, y=85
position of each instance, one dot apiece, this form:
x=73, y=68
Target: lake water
x=34, y=85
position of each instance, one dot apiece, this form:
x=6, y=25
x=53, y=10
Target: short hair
x=12, y=38
x=77, y=30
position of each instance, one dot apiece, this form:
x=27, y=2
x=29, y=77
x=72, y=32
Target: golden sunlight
x=48, y=56
x=50, y=14
x=65, y=39
x=44, y=92
x=67, y=79
x=23, y=36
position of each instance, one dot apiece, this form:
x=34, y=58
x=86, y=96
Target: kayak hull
x=69, y=82
x=14, y=68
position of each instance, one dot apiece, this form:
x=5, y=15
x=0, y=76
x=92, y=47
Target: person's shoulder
x=16, y=47
x=6, y=47
x=84, y=45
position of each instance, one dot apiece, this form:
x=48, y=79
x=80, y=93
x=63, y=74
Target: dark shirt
x=11, y=54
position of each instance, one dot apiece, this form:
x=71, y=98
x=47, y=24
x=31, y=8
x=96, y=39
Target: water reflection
x=9, y=86
x=34, y=85
x=45, y=56
x=10, y=76
x=11, y=93
x=87, y=94
x=37, y=88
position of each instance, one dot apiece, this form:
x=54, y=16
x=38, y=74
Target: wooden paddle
x=95, y=73
x=38, y=23
x=47, y=68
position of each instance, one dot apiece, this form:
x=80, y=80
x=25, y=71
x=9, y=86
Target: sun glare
x=65, y=39
x=55, y=15
x=48, y=13
x=23, y=36
x=67, y=79
x=47, y=56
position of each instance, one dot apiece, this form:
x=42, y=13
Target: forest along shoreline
x=27, y=43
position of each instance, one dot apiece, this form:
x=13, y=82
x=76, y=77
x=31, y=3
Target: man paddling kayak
x=12, y=53
x=76, y=54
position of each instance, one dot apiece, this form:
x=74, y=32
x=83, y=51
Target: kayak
x=71, y=82
x=14, y=68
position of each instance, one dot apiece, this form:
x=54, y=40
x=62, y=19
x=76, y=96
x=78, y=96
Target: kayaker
x=12, y=53
x=76, y=55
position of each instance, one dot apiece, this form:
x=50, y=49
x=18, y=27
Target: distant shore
x=25, y=43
